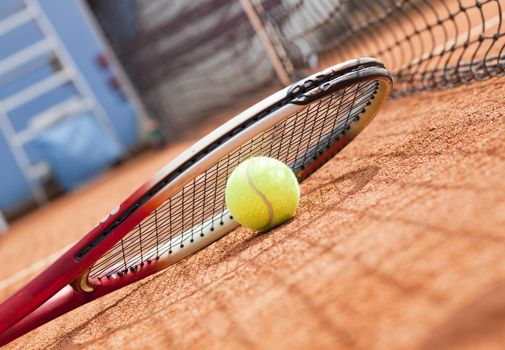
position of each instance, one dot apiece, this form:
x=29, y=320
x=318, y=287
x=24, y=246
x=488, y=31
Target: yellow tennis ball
x=262, y=193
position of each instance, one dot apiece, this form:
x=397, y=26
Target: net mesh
x=426, y=43
x=188, y=60
x=193, y=59
x=200, y=205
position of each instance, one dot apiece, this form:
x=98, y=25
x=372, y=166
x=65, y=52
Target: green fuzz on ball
x=262, y=193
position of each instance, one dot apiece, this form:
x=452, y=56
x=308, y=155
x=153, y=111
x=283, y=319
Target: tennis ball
x=262, y=193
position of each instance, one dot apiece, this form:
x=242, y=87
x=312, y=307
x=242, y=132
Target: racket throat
x=82, y=284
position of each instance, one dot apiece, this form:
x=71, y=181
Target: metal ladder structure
x=50, y=50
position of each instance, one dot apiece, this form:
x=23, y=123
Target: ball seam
x=263, y=198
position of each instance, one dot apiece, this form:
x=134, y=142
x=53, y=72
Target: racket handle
x=64, y=301
x=61, y=273
x=37, y=292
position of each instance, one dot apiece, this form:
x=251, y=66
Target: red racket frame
x=50, y=295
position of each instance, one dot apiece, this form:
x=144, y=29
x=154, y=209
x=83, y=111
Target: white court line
x=35, y=267
x=490, y=23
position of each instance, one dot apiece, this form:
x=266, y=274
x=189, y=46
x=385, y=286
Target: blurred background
x=88, y=84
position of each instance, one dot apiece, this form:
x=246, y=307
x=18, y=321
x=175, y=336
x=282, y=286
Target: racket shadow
x=234, y=247
x=359, y=178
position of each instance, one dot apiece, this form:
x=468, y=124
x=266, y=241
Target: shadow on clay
x=360, y=178
x=480, y=319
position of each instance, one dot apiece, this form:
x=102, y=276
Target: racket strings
x=200, y=205
x=292, y=127
x=162, y=224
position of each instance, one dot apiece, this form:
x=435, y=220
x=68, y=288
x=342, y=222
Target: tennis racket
x=182, y=208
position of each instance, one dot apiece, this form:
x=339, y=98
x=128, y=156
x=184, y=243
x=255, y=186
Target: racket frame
x=65, y=285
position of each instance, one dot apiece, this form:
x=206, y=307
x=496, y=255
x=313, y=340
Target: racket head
x=303, y=125
x=182, y=209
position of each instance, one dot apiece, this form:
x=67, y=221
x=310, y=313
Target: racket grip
x=37, y=292
x=61, y=303
x=66, y=300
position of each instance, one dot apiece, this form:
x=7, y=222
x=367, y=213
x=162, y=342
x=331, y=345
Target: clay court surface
x=398, y=244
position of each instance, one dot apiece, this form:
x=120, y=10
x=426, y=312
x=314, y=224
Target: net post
x=269, y=41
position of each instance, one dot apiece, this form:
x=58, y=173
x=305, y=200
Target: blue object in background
x=77, y=150
x=13, y=185
x=78, y=37
x=82, y=43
